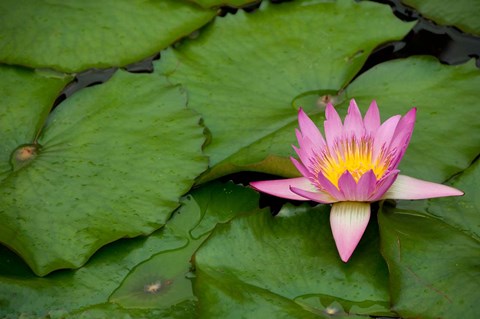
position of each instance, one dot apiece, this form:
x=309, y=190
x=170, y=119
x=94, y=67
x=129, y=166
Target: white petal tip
x=348, y=221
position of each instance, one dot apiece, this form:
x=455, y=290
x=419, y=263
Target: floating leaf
x=464, y=14
x=21, y=292
x=288, y=263
x=433, y=260
x=164, y=280
x=22, y=115
x=245, y=72
x=445, y=139
x=111, y=162
x=463, y=212
x=72, y=36
x=249, y=301
x=115, y=269
x=109, y=310
x=230, y=3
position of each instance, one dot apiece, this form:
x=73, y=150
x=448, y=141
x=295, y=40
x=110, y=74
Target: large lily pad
x=433, y=254
x=230, y=3
x=464, y=14
x=463, y=212
x=66, y=291
x=72, y=36
x=30, y=110
x=445, y=139
x=288, y=264
x=120, y=272
x=111, y=162
x=167, y=274
x=245, y=72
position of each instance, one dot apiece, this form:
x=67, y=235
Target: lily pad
x=111, y=162
x=109, y=310
x=22, y=115
x=249, y=301
x=445, y=139
x=72, y=36
x=70, y=291
x=219, y=3
x=433, y=254
x=268, y=60
x=288, y=263
x=463, y=213
x=464, y=14
x=120, y=272
x=164, y=281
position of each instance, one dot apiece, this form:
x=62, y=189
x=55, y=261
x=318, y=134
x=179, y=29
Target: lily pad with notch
x=111, y=161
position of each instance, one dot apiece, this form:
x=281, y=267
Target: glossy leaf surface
x=269, y=60
x=113, y=283
x=445, y=138
x=23, y=115
x=72, y=36
x=288, y=263
x=95, y=171
x=229, y=3
x=464, y=14
x=432, y=253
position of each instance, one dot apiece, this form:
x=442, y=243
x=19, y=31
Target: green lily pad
x=249, y=301
x=288, y=263
x=29, y=109
x=111, y=162
x=72, y=36
x=109, y=310
x=164, y=280
x=66, y=291
x=268, y=60
x=445, y=139
x=230, y=3
x=463, y=213
x=120, y=272
x=464, y=14
x=433, y=254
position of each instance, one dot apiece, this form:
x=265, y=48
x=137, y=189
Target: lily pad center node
x=24, y=155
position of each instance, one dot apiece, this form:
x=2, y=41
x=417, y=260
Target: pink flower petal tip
x=348, y=221
x=406, y=187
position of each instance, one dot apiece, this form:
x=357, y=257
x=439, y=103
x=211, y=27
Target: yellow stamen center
x=353, y=156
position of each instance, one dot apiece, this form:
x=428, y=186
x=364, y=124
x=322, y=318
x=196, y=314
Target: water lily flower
x=355, y=164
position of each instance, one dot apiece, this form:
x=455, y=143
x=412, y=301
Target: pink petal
x=372, y=119
x=309, y=129
x=307, y=147
x=353, y=125
x=281, y=187
x=384, y=184
x=329, y=187
x=354, y=191
x=304, y=157
x=301, y=168
x=366, y=186
x=406, y=187
x=402, y=135
x=317, y=196
x=348, y=221
x=348, y=186
x=333, y=125
x=384, y=135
